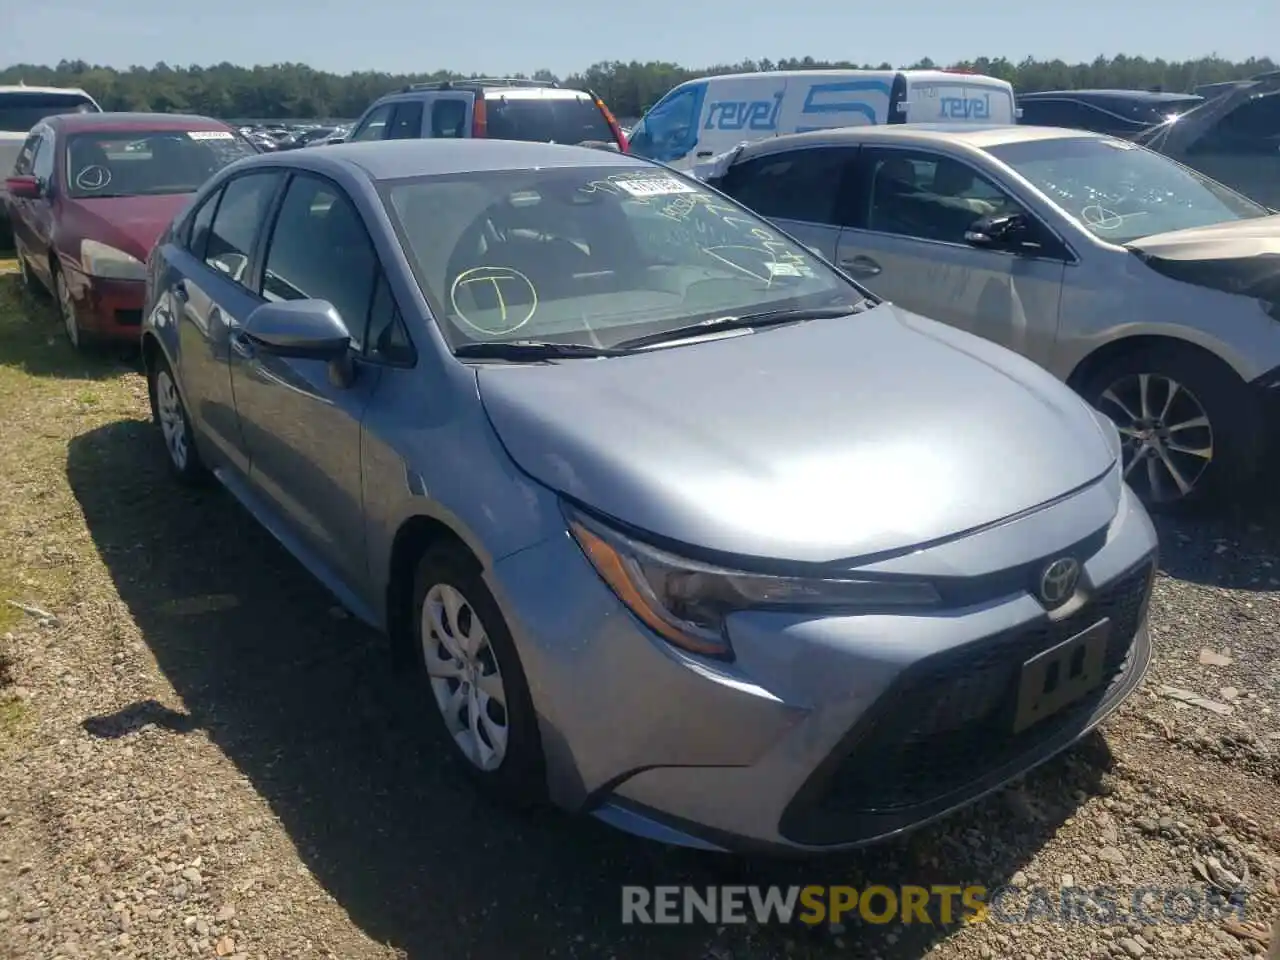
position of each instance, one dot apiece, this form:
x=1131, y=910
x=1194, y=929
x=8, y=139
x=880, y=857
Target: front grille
x=129, y=318
x=948, y=721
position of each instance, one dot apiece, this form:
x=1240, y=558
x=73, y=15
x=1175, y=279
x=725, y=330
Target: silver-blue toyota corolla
x=685, y=529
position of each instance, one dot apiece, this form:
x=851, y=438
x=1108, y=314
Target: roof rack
x=479, y=81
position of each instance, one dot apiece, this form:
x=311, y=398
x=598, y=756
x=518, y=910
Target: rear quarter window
x=555, y=120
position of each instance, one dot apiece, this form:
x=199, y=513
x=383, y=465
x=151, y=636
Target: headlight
x=102, y=260
x=686, y=602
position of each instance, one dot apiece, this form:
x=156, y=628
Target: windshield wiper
x=531, y=350
x=747, y=320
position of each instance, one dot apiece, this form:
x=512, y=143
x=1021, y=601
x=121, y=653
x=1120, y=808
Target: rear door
x=906, y=242
x=210, y=286
x=802, y=191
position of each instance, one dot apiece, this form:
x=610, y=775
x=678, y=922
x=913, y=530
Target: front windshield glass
x=147, y=162
x=595, y=255
x=1120, y=191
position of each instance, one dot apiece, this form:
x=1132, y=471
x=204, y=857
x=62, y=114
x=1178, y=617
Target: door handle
x=703, y=153
x=242, y=345
x=180, y=291
x=862, y=266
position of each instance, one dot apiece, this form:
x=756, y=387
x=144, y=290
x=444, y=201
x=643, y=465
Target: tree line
x=296, y=90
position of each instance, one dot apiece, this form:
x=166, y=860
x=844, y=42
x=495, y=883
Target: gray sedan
x=1141, y=283
x=683, y=528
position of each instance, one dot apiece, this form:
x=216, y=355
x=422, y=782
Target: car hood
x=132, y=224
x=1240, y=256
x=820, y=441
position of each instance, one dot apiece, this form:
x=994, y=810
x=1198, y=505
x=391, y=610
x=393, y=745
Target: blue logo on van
x=744, y=114
x=966, y=108
x=818, y=99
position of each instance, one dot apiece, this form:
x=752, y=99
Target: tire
x=170, y=415
x=451, y=602
x=29, y=281
x=67, y=312
x=1202, y=386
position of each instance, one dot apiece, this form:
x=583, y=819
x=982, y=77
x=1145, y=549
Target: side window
x=197, y=240
x=1251, y=128
x=243, y=207
x=805, y=185
x=42, y=162
x=374, y=126
x=406, y=121
x=668, y=131
x=929, y=197
x=449, y=118
x=387, y=339
x=22, y=166
x=320, y=250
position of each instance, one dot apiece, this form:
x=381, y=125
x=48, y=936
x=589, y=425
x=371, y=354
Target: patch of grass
x=32, y=341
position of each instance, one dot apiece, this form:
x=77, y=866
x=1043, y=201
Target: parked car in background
x=495, y=109
x=1118, y=113
x=88, y=197
x=1132, y=278
x=306, y=138
x=1234, y=138
x=504, y=399
x=704, y=117
x=21, y=108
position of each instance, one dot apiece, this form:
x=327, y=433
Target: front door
x=301, y=424
x=906, y=242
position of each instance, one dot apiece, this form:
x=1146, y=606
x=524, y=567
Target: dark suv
x=499, y=109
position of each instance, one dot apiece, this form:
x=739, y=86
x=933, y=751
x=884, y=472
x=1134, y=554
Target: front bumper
x=824, y=733
x=107, y=309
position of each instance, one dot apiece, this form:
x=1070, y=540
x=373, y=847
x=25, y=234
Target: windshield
x=594, y=255
x=19, y=112
x=145, y=162
x=1120, y=191
x=546, y=119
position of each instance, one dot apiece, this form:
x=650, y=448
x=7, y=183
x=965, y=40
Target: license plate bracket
x=1061, y=675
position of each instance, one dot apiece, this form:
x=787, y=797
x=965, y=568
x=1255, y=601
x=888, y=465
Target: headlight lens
x=103, y=260
x=686, y=602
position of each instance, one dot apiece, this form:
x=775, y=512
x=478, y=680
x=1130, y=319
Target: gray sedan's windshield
x=594, y=255
x=1120, y=191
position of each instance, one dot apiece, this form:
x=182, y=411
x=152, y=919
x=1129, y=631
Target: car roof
x=24, y=88
x=394, y=159
x=979, y=136
x=1150, y=96
x=128, y=122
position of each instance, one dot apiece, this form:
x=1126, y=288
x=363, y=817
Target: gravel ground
x=201, y=757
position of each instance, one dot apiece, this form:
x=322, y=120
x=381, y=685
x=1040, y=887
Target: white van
x=703, y=118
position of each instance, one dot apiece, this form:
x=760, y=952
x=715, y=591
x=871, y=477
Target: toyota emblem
x=1058, y=582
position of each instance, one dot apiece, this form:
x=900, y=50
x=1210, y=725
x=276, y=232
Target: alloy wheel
x=68, y=310
x=173, y=423
x=1167, y=437
x=465, y=677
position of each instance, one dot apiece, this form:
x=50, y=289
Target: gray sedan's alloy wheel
x=1167, y=435
x=173, y=425
x=66, y=307
x=465, y=676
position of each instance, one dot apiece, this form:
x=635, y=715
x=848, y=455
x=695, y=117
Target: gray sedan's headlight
x=685, y=601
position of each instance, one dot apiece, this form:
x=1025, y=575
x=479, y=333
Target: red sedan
x=89, y=196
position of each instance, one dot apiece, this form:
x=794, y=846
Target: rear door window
x=406, y=121
x=546, y=119
x=19, y=112
x=449, y=118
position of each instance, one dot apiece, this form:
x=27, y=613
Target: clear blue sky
x=564, y=36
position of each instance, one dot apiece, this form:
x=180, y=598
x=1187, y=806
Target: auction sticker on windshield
x=654, y=187
x=209, y=135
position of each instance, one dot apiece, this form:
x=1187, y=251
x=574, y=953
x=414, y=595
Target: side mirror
x=999, y=233
x=24, y=188
x=300, y=329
